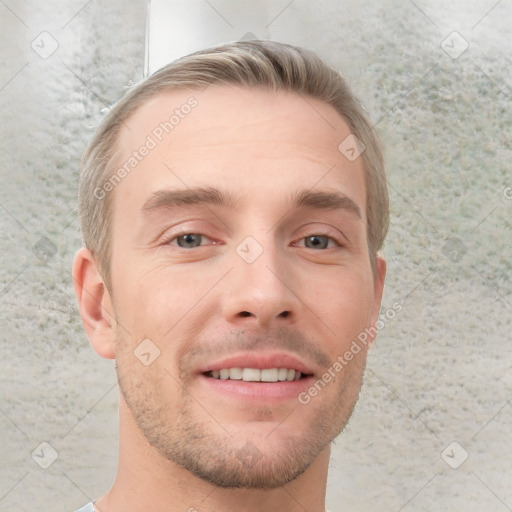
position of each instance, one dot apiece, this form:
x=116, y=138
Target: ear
x=94, y=303
x=378, y=289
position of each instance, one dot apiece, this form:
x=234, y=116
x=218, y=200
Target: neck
x=147, y=481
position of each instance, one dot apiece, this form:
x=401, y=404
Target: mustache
x=242, y=341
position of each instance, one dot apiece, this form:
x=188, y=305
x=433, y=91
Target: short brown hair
x=266, y=64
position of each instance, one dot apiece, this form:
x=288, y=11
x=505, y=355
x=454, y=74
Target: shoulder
x=86, y=508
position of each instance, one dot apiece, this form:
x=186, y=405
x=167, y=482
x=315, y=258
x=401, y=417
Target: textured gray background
x=441, y=369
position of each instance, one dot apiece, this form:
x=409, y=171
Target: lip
x=261, y=360
x=257, y=392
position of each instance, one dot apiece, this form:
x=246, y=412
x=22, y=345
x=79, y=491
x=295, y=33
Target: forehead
x=244, y=137
x=219, y=111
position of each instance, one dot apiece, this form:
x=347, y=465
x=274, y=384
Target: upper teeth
x=256, y=375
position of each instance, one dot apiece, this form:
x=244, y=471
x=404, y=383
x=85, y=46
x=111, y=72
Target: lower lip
x=259, y=391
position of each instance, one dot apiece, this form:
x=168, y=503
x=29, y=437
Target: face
x=239, y=250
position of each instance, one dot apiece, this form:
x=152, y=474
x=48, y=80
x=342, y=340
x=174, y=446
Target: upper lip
x=260, y=360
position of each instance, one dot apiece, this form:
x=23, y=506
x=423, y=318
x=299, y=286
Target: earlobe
x=94, y=304
x=380, y=278
x=378, y=289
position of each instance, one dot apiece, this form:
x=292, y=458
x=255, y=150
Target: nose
x=260, y=293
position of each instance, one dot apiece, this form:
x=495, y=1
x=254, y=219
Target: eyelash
x=178, y=235
x=170, y=239
x=337, y=241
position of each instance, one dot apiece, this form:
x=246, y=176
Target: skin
x=182, y=443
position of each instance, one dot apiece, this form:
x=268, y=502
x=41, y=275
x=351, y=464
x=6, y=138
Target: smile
x=256, y=374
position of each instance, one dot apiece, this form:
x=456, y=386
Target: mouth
x=268, y=377
x=256, y=374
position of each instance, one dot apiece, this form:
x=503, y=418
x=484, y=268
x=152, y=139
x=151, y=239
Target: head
x=225, y=226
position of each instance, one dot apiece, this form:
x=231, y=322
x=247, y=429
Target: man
x=232, y=207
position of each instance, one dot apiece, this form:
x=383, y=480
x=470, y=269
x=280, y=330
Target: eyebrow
x=167, y=199
x=325, y=201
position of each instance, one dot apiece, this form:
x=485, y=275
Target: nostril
x=284, y=314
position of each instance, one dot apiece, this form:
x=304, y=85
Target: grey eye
x=189, y=240
x=317, y=242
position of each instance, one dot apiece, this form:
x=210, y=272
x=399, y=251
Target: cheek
x=160, y=302
x=347, y=305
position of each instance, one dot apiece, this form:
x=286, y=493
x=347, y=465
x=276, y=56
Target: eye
x=320, y=242
x=187, y=240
